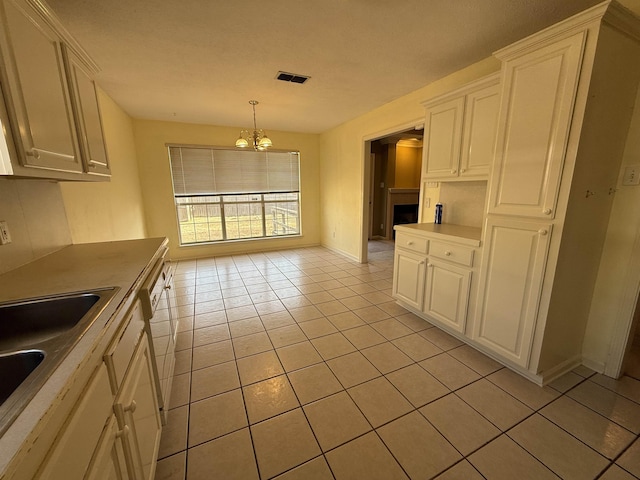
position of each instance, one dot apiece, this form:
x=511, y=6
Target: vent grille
x=292, y=77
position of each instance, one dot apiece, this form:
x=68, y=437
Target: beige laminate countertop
x=122, y=264
x=457, y=233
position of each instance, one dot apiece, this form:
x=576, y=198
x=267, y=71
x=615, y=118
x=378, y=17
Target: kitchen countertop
x=75, y=268
x=457, y=233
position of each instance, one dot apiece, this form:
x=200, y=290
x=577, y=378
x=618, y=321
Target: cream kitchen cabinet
x=540, y=87
x=130, y=368
x=410, y=259
x=88, y=116
x=567, y=97
x=109, y=462
x=448, y=285
x=53, y=119
x=114, y=430
x=72, y=452
x=460, y=132
x=434, y=272
x=137, y=411
x=510, y=287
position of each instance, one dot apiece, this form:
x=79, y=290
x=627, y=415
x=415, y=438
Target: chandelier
x=258, y=139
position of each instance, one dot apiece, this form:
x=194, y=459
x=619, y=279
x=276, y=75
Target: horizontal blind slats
x=207, y=171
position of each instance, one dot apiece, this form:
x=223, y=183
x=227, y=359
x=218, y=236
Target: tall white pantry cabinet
x=567, y=95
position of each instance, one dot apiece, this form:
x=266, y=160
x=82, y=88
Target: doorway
x=393, y=163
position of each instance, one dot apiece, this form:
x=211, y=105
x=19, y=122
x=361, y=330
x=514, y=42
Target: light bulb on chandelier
x=258, y=138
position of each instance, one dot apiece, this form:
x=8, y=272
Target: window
x=235, y=194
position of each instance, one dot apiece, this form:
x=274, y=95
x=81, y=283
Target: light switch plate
x=631, y=175
x=5, y=236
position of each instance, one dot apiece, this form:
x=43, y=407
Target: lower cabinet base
x=541, y=379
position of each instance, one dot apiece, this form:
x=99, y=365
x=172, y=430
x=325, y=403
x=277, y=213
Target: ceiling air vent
x=292, y=77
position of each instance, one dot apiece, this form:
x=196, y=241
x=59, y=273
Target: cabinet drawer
x=452, y=253
x=411, y=242
x=121, y=350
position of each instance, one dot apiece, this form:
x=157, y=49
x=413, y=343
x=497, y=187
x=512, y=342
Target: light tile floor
x=298, y=365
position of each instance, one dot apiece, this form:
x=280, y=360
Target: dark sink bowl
x=35, y=337
x=15, y=368
x=35, y=321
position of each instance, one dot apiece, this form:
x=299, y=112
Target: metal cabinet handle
x=123, y=433
x=447, y=253
x=132, y=407
x=34, y=153
x=547, y=211
x=542, y=231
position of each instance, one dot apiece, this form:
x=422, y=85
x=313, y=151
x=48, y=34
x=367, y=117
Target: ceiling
x=201, y=61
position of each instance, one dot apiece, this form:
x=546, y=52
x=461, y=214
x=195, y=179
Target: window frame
x=263, y=202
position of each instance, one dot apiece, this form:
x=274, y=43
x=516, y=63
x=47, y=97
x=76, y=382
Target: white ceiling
x=201, y=61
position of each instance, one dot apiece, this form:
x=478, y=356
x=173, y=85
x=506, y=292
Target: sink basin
x=35, y=336
x=15, y=368
x=36, y=321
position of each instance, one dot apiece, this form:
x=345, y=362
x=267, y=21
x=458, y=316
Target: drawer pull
x=429, y=264
x=409, y=243
x=132, y=407
x=447, y=253
x=34, y=153
x=547, y=211
x=123, y=433
x=542, y=231
x=421, y=262
x=453, y=171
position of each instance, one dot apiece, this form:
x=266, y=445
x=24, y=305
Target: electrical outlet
x=5, y=236
x=631, y=175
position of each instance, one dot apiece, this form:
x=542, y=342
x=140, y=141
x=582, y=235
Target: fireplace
x=402, y=208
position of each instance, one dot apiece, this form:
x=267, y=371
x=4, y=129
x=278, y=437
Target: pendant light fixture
x=258, y=139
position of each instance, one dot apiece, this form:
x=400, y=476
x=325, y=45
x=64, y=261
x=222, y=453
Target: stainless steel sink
x=15, y=368
x=35, y=321
x=35, y=336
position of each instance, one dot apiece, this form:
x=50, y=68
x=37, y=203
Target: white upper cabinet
x=443, y=131
x=460, y=132
x=538, y=94
x=32, y=55
x=480, y=128
x=53, y=115
x=87, y=112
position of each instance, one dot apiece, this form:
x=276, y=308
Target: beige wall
x=342, y=164
x=155, y=177
x=106, y=211
x=408, y=163
x=618, y=281
x=35, y=214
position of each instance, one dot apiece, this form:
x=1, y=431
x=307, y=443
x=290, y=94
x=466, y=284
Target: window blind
x=209, y=171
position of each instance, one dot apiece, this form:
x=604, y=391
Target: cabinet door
x=38, y=90
x=136, y=409
x=443, y=134
x=88, y=119
x=447, y=294
x=108, y=462
x=73, y=449
x=408, y=278
x=513, y=266
x=539, y=88
x=480, y=130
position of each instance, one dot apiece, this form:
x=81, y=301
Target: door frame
x=367, y=177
